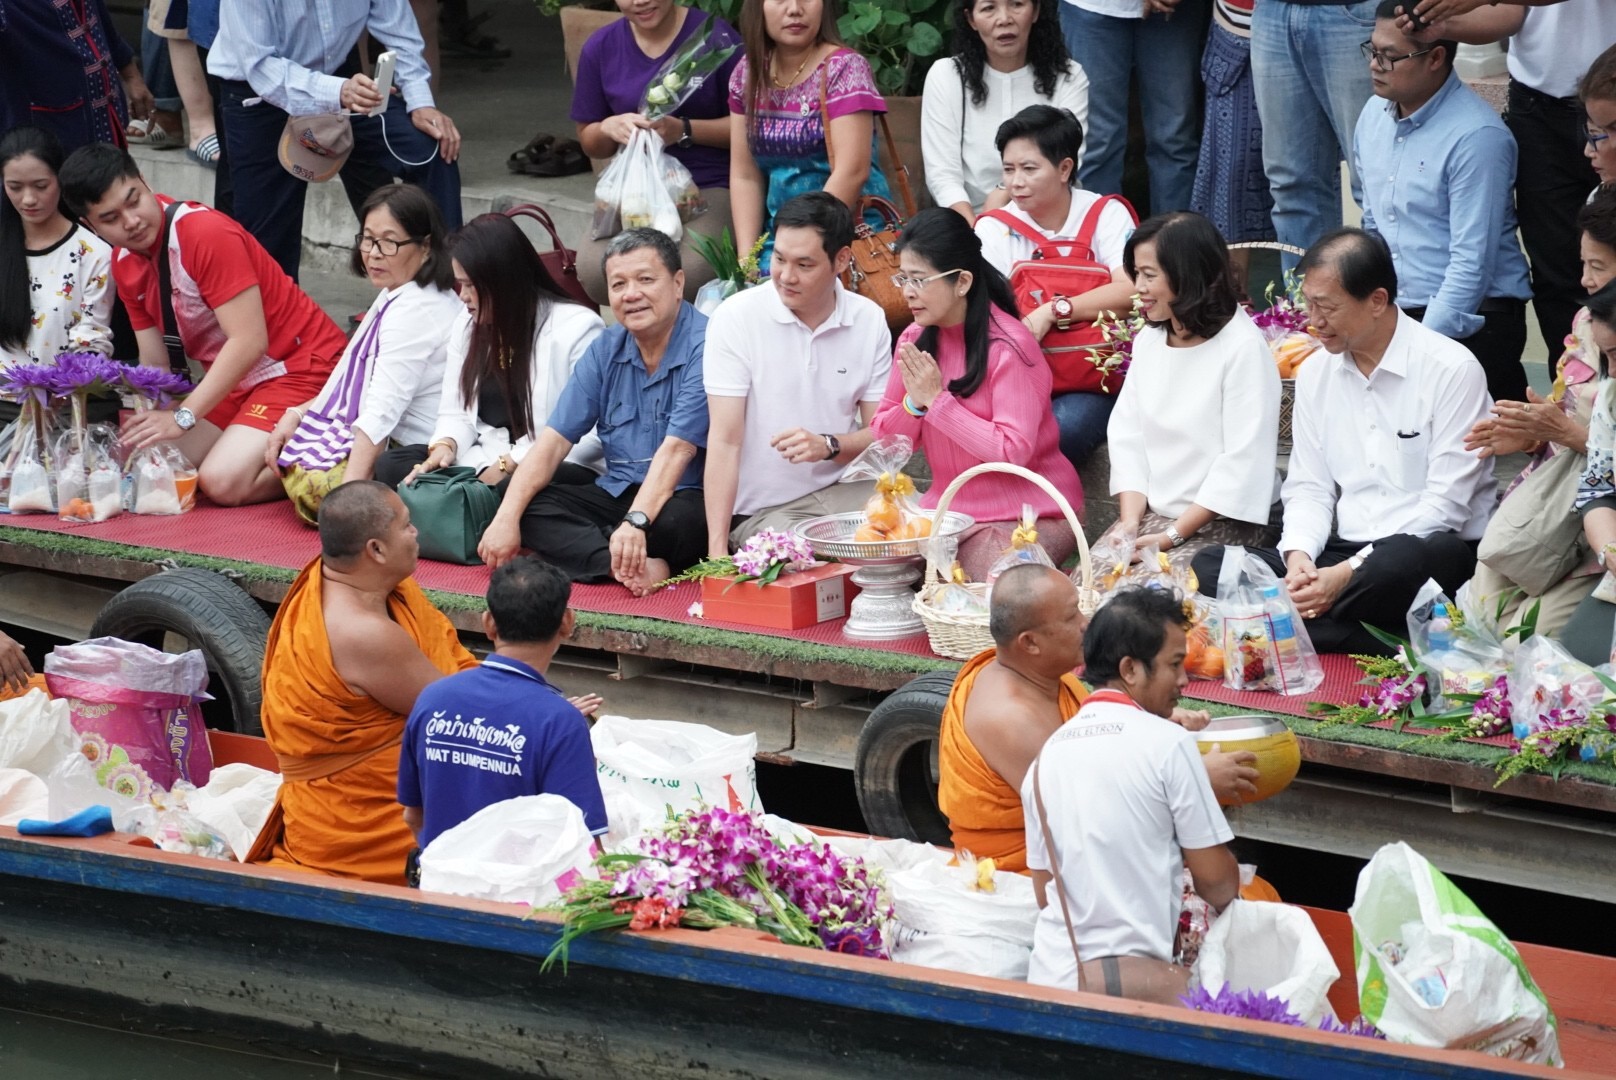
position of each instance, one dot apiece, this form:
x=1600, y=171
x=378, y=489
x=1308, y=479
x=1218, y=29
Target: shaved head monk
x=1008, y=700
x=353, y=644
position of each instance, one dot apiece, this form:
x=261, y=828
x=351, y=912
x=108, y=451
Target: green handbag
x=450, y=508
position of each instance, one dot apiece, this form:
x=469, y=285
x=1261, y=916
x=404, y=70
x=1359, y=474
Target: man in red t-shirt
x=263, y=344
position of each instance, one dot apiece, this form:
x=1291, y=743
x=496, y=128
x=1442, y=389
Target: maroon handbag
x=561, y=262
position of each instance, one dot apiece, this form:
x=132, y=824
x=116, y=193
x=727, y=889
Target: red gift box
x=796, y=599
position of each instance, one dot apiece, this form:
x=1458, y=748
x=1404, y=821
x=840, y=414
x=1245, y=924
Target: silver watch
x=185, y=418
x=1175, y=536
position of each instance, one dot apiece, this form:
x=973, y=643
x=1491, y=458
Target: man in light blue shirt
x=639, y=386
x=1438, y=172
x=301, y=59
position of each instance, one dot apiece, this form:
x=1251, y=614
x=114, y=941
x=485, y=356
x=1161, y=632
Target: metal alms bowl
x=832, y=538
x=1279, y=755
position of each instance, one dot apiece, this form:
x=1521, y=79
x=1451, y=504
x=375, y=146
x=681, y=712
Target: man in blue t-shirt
x=499, y=731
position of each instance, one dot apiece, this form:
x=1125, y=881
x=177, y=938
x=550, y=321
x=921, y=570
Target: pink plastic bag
x=135, y=711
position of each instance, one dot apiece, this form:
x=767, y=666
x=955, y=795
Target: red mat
x=1340, y=687
x=271, y=534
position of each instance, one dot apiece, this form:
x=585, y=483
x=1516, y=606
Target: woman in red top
x=969, y=384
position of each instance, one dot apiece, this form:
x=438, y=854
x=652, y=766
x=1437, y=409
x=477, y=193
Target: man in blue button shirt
x=1438, y=172
x=639, y=386
x=500, y=730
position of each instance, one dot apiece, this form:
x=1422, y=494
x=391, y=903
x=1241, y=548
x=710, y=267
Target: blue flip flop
x=207, y=152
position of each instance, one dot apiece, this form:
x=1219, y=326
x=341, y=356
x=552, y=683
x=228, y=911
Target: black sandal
x=536, y=147
x=565, y=158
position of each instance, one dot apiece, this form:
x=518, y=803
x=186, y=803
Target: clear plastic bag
x=1548, y=688
x=163, y=481
x=1024, y=548
x=89, y=482
x=1265, y=644
x=890, y=513
x=633, y=193
x=705, y=50
x=1112, y=556
x=1459, y=656
x=28, y=476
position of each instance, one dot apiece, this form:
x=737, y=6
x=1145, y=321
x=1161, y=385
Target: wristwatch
x=833, y=446
x=1358, y=559
x=1063, y=313
x=1174, y=536
x=638, y=519
x=185, y=418
x=686, y=141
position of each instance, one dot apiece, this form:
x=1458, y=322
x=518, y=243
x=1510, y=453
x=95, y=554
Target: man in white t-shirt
x=1120, y=794
x=794, y=370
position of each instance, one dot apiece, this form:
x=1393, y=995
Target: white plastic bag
x=1273, y=948
x=36, y=733
x=162, y=481
x=632, y=192
x=942, y=922
x=647, y=767
x=1434, y=971
x=527, y=850
x=235, y=803
x=1265, y=644
x=73, y=787
x=22, y=795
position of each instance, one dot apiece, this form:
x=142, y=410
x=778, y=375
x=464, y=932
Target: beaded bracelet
x=911, y=408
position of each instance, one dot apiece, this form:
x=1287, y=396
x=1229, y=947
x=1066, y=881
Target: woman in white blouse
x=55, y=275
x=402, y=249
x=511, y=351
x=1195, y=430
x=1008, y=54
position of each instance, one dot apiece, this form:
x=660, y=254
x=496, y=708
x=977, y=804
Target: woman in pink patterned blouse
x=969, y=384
x=798, y=101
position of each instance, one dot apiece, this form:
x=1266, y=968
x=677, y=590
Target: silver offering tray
x=887, y=570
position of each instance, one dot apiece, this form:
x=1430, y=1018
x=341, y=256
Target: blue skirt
x=1230, y=187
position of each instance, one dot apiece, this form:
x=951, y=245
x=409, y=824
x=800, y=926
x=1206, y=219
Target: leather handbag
x=450, y=509
x=1535, y=538
x=561, y=261
x=875, y=255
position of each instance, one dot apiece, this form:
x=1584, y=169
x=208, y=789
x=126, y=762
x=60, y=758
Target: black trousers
x=1552, y=181
x=1379, y=593
x=571, y=524
x=1499, y=345
x=393, y=467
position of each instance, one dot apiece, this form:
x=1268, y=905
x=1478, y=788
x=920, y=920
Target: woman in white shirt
x=1194, y=435
x=402, y=340
x=55, y=275
x=511, y=351
x=1008, y=54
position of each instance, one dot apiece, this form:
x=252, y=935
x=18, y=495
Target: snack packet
x=1024, y=548
x=89, y=483
x=890, y=513
x=164, y=481
x=1265, y=643
x=1111, y=557
x=1457, y=655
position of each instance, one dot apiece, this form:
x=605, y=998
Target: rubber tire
x=892, y=766
x=214, y=615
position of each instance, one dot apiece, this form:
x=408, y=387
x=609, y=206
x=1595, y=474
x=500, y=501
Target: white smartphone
x=384, y=80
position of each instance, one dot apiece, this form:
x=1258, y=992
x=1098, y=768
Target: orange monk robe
x=984, y=812
x=338, y=809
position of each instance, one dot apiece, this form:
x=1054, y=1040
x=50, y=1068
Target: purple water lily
x=155, y=386
x=27, y=382
x=85, y=373
x=1249, y=1004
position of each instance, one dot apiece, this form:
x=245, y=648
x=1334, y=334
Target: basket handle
x=1085, y=566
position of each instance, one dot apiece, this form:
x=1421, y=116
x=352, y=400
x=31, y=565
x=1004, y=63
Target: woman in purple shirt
x=614, y=69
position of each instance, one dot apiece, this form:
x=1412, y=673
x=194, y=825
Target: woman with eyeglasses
x=1598, y=93
x=511, y=351
x=403, y=340
x=969, y=385
x=1194, y=435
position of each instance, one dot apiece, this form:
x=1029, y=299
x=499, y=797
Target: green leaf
x=772, y=573
x=1390, y=640
x=889, y=78
x=925, y=40
x=845, y=25
x=866, y=21
x=893, y=17
x=917, y=6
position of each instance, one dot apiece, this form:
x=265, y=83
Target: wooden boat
x=440, y=985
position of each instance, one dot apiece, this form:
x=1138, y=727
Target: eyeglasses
x=383, y=244
x=902, y=282
x=1594, y=136
x=1384, y=61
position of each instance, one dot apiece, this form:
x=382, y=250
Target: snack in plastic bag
x=1459, y=657
x=890, y=514
x=89, y=484
x=1265, y=644
x=164, y=481
x=1289, y=352
x=27, y=463
x=1024, y=548
x=1548, y=687
x=958, y=594
x=632, y=193
x=1112, y=556
x=1203, y=658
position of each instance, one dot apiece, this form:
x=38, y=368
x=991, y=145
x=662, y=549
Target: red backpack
x=1066, y=268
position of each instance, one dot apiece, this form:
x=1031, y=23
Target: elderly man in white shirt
x=793, y=370
x=1379, y=446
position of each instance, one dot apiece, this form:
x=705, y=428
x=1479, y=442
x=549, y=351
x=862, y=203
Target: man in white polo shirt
x=794, y=370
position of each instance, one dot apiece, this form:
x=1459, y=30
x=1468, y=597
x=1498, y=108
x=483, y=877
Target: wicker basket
x=960, y=636
x=1287, y=403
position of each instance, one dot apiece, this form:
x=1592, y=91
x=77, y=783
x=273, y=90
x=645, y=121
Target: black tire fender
x=893, y=766
x=214, y=615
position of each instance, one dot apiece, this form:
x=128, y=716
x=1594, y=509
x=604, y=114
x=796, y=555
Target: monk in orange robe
x=1007, y=701
x=353, y=644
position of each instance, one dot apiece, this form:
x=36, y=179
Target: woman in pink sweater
x=969, y=384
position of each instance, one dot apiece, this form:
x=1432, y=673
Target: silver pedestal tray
x=886, y=574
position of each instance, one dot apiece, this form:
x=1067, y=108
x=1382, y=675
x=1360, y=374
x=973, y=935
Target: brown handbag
x=875, y=256
x=561, y=261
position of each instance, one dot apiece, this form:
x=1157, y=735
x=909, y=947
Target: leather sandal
x=536, y=147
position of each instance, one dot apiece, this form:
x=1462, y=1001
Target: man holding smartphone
x=281, y=60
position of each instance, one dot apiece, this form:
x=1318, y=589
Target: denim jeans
x=1311, y=83
x=1166, y=53
x=159, y=73
x=1082, y=420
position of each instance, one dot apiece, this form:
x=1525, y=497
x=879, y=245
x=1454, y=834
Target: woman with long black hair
x=55, y=275
x=969, y=385
x=510, y=354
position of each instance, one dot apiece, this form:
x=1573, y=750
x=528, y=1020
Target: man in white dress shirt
x=794, y=370
x=1379, y=422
